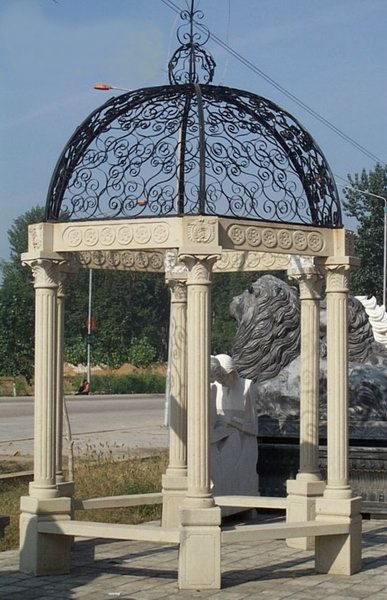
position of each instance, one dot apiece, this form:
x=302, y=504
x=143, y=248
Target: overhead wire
x=246, y=62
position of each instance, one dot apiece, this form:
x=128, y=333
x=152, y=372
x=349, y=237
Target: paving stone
x=143, y=571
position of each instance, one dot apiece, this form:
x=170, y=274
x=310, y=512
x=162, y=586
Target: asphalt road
x=128, y=422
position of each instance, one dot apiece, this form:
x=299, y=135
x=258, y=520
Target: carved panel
x=116, y=234
x=123, y=260
x=251, y=261
x=271, y=238
x=201, y=231
x=35, y=237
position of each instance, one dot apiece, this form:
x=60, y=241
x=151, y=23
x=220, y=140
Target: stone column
x=199, y=556
x=340, y=554
x=175, y=479
x=46, y=284
x=65, y=488
x=44, y=554
x=302, y=491
x=59, y=378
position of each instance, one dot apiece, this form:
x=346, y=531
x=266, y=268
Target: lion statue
x=267, y=346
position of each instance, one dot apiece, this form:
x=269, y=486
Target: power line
x=246, y=62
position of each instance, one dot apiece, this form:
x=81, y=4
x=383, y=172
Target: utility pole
x=89, y=327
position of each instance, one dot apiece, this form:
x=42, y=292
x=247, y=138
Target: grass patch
x=134, y=383
x=95, y=475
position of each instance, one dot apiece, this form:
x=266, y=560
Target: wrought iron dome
x=191, y=147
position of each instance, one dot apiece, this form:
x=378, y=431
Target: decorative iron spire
x=190, y=63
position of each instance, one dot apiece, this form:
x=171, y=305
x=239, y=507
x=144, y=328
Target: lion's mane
x=268, y=333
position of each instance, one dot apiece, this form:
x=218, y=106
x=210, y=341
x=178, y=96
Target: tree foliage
x=369, y=238
x=131, y=312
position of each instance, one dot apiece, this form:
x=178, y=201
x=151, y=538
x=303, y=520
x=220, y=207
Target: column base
x=301, y=501
x=65, y=489
x=40, y=553
x=199, y=554
x=339, y=554
x=174, y=492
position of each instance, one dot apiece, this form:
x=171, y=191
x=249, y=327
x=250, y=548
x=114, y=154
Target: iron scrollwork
x=193, y=148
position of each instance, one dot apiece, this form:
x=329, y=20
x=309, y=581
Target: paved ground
x=129, y=422
x=135, y=570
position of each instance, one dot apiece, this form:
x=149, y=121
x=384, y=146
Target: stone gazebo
x=189, y=179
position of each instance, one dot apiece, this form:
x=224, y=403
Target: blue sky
x=330, y=53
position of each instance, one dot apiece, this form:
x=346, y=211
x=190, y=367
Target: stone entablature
x=189, y=234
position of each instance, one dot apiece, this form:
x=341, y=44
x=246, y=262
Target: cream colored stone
x=42, y=554
x=59, y=379
x=275, y=238
x=199, y=553
x=301, y=498
x=45, y=274
x=198, y=240
x=175, y=479
x=339, y=554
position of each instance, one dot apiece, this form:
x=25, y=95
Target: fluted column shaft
x=337, y=382
x=46, y=285
x=178, y=373
x=198, y=355
x=310, y=285
x=59, y=377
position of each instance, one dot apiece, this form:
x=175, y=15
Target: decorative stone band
x=281, y=240
x=190, y=234
x=124, y=260
x=97, y=236
x=160, y=261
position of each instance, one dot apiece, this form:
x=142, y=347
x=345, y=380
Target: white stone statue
x=377, y=316
x=233, y=432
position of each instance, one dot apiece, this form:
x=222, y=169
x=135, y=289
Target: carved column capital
x=46, y=272
x=199, y=268
x=178, y=289
x=338, y=278
x=309, y=282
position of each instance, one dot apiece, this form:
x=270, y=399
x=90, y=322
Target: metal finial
x=190, y=63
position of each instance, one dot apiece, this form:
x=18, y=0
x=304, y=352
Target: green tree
x=16, y=302
x=369, y=245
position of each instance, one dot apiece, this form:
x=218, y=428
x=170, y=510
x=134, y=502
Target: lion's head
x=268, y=334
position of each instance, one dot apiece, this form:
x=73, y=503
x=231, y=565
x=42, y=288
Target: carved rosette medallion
x=160, y=233
x=73, y=236
x=284, y=239
x=90, y=237
x=142, y=234
x=107, y=236
x=113, y=259
x=156, y=261
x=141, y=260
x=125, y=235
x=315, y=241
x=300, y=240
x=269, y=238
x=127, y=258
x=237, y=235
x=253, y=236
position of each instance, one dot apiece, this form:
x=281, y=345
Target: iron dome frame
x=193, y=148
